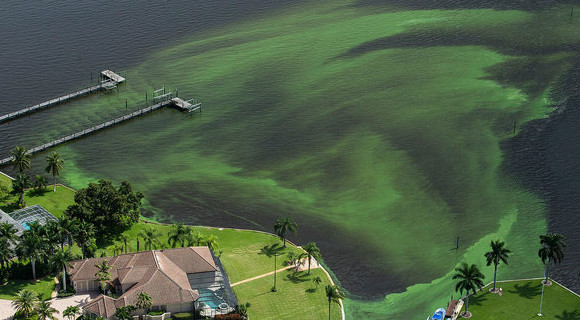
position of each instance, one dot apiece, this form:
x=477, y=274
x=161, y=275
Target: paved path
x=301, y=267
x=7, y=311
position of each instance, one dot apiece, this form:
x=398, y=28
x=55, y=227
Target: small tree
x=103, y=274
x=71, y=312
x=125, y=313
x=552, y=250
x=144, y=301
x=39, y=183
x=243, y=309
x=26, y=301
x=44, y=311
x=177, y=235
x=19, y=185
x=317, y=281
x=61, y=261
x=150, y=237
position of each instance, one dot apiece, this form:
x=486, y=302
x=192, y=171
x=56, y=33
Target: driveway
x=7, y=311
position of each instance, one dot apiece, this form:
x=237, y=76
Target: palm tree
x=25, y=302
x=103, y=273
x=71, y=311
x=19, y=185
x=6, y=252
x=552, y=250
x=68, y=227
x=54, y=164
x=211, y=242
x=285, y=224
x=272, y=251
x=8, y=232
x=333, y=294
x=312, y=251
x=143, y=301
x=39, y=182
x=85, y=232
x=195, y=239
x=177, y=234
x=20, y=159
x=317, y=281
x=498, y=253
x=117, y=248
x=61, y=261
x=31, y=246
x=124, y=313
x=125, y=238
x=470, y=278
x=150, y=237
x=45, y=312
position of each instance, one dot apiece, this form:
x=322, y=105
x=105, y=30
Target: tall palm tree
x=8, y=232
x=31, y=246
x=6, y=252
x=312, y=251
x=68, y=227
x=54, y=164
x=25, y=301
x=285, y=224
x=497, y=254
x=45, y=312
x=61, y=261
x=333, y=294
x=150, y=237
x=19, y=185
x=125, y=238
x=552, y=250
x=71, y=312
x=272, y=251
x=470, y=278
x=103, y=273
x=20, y=159
x=144, y=301
x=84, y=235
x=177, y=234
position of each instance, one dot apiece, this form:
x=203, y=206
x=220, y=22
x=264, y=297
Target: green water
x=380, y=127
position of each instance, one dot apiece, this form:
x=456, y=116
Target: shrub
x=64, y=294
x=232, y=316
x=156, y=313
x=20, y=316
x=183, y=316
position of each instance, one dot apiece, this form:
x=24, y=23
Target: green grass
x=43, y=287
x=521, y=300
x=295, y=298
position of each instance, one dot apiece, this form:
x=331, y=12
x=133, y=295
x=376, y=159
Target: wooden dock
x=167, y=103
x=110, y=80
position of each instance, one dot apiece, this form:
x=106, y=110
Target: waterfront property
x=177, y=280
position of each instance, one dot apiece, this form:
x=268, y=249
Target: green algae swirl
x=379, y=125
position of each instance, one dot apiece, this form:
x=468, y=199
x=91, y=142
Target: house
x=177, y=280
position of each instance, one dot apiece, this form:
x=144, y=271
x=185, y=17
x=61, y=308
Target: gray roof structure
x=23, y=217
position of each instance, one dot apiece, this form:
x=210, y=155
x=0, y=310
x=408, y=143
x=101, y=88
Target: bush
x=156, y=313
x=20, y=316
x=232, y=316
x=183, y=316
x=64, y=294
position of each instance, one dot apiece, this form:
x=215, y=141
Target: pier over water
x=108, y=80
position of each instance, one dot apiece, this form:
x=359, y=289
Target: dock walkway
x=92, y=129
x=111, y=80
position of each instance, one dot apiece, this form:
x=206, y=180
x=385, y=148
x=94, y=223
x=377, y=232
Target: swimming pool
x=25, y=225
x=210, y=298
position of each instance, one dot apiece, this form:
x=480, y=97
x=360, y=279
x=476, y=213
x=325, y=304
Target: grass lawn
x=295, y=298
x=521, y=300
x=43, y=287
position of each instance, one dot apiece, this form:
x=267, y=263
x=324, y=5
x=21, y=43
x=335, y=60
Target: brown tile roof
x=160, y=273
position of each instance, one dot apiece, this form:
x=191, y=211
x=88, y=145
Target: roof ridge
x=202, y=258
x=169, y=277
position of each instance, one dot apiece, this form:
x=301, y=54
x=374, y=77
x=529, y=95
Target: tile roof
x=160, y=273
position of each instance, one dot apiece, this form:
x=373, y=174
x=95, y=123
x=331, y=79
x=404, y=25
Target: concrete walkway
x=302, y=266
x=7, y=311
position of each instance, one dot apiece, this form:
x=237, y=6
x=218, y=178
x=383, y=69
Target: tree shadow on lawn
x=527, y=291
x=566, y=315
x=477, y=300
x=297, y=277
